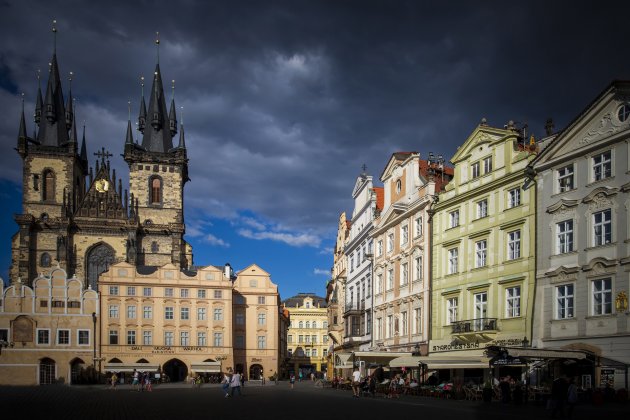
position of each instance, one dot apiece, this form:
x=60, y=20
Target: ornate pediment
x=102, y=201
x=599, y=198
x=607, y=125
x=600, y=266
x=562, y=206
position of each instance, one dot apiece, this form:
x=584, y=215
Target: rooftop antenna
x=54, y=30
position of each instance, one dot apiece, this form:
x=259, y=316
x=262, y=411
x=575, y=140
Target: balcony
x=356, y=307
x=474, y=326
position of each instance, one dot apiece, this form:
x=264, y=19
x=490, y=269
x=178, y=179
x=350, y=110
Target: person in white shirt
x=235, y=383
x=356, y=382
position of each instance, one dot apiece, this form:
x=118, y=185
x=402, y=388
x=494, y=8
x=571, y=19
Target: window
x=131, y=338
x=514, y=197
x=45, y=260
x=452, y=260
x=475, y=170
x=184, y=338
x=185, y=313
x=240, y=318
x=325, y=324
x=131, y=312
x=113, y=311
x=404, y=278
x=156, y=190
x=451, y=310
x=390, y=279
x=169, y=312
x=131, y=291
x=217, y=314
x=43, y=337
x=369, y=287
x=390, y=242
x=602, y=296
x=300, y=338
x=201, y=294
x=314, y=353
x=453, y=218
x=602, y=227
x=481, y=249
x=513, y=302
x=368, y=328
x=602, y=166
x=379, y=248
x=379, y=328
x=262, y=342
x=63, y=337
x=419, y=226
x=169, y=338
x=49, y=186
x=487, y=165
x=564, y=301
x=289, y=339
x=314, y=339
x=398, y=186
x=308, y=324
x=201, y=314
x=481, y=309
x=565, y=236
x=314, y=324
x=147, y=312
x=379, y=283
x=113, y=337
x=514, y=245
x=201, y=338
x=390, y=326
x=404, y=323
x=404, y=235
x=113, y=290
x=262, y=319
x=146, y=292
x=239, y=342
x=417, y=321
x=325, y=353
x=565, y=179
x=261, y=300
x=147, y=338
x=308, y=352
x=184, y=293
x=168, y=292
x=218, y=294
x=482, y=209
x=623, y=112
x=419, y=268
x=351, y=263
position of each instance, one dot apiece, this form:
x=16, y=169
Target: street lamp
x=4, y=344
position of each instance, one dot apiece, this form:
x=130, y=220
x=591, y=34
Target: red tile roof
x=380, y=197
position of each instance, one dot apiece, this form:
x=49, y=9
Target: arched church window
x=49, y=186
x=44, y=260
x=156, y=190
x=99, y=258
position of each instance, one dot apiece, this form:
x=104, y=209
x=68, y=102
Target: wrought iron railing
x=474, y=325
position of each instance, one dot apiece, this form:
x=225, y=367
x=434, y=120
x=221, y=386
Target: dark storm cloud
x=284, y=101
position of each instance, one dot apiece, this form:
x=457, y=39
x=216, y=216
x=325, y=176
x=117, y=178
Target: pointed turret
x=37, y=117
x=172, y=119
x=156, y=138
x=142, y=117
x=129, y=137
x=53, y=130
x=73, y=134
x=182, y=142
x=22, y=131
x=84, y=158
x=69, y=108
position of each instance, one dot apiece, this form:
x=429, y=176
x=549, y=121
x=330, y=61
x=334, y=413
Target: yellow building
x=307, y=338
x=47, y=331
x=483, y=253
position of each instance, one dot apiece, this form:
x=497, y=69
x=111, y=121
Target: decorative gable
x=102, y=201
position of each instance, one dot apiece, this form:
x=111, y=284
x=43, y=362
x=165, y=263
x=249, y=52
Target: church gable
x=102, y=200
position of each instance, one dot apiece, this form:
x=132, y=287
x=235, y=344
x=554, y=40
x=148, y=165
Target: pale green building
x=483, y=269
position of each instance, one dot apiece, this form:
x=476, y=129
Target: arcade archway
x=175, y=370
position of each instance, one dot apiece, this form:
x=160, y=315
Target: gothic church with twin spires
x=78, y=216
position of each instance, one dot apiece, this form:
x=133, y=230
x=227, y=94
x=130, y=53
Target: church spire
x=37, y=117
x=22, y=130
x=84, y=157
x=172, y=116
x=182, y=141
x=129, y=137
x=142, y=117
x=73, y=130
x=69, y=108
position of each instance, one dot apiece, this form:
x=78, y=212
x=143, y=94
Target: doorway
x=175, y=370
x=47, y=371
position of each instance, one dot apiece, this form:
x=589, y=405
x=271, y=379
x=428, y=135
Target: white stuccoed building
x=583, y=239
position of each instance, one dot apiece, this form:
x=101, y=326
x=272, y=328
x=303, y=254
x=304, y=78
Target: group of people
x=141, y=381
x=232, y=383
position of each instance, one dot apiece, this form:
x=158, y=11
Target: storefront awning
x=206, y=367
x=405, y=361
x=367, y=355
x=456, y=362
x=130, y=367
x=342, y=361
x=545, y=353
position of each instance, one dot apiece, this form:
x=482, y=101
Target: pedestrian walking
x=114, y=381
x=147, y=383
x=135, y=383
x=225, y=385
x=572, y=397
x=235, y=384
x=356, y=382
x=292, y=380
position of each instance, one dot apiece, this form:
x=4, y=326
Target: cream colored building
x=177, y=323
x=307, y=339
x=48, y=330
x=402, y=253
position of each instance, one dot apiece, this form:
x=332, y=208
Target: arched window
x=314, y=324
x=45, y=260
x=308, y=324
x=156, y=191
x=49, y=186
x=301, y=324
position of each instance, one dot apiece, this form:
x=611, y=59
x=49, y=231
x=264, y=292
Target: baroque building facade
x=307, y=337
x=583, y=233
x=483, y=253
x=402, y=253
